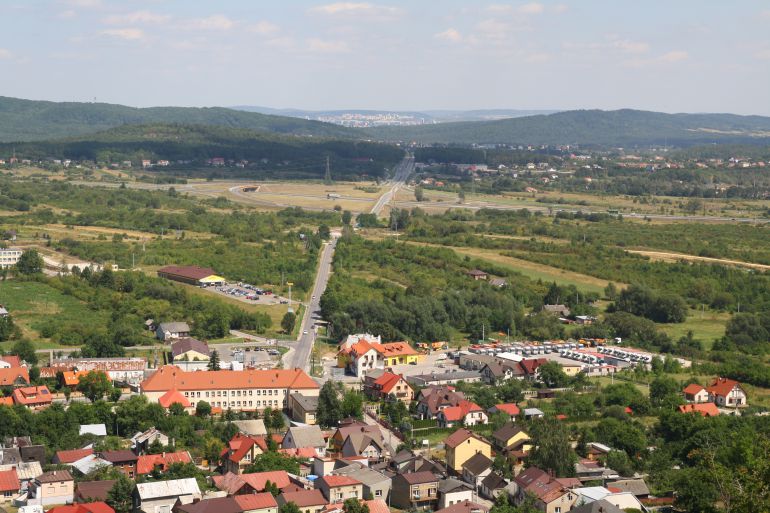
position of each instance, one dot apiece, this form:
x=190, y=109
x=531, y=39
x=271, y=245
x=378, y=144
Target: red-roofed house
x=694, y=393
x=705, y=409
x=388, y=384
x=241, y=451
x=14, y=377
x=149, y=462
x=340, y=488
x=257, y=502
x=69, y=457
x=359, y=358
x=509, y=409
x=727, y=393
x=235, y=484
x=6, y=401
x=9, y=484
x=33, y=397
x=551, y=494
x=10, y=360
x=86, y=507
x=466, y=413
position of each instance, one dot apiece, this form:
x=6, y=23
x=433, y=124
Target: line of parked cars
x=244, y=290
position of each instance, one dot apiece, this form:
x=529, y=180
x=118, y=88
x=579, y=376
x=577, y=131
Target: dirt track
x=673, y=257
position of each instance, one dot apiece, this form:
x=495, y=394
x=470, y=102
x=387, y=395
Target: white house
x=161, y=496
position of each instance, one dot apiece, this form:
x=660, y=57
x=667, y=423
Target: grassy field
x=31, y=303
x=534, y=270
x=706, y=326
x=313, y=195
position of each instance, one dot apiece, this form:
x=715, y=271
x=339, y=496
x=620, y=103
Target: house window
x=557, y=509
x=416, y=493
x=378, y=493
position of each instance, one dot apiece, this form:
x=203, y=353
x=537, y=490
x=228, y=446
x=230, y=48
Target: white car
x=304, y=332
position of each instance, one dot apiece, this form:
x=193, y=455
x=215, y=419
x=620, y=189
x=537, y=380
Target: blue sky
x=665, y=55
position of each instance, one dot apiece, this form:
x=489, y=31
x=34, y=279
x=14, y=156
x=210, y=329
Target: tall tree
x=553, y=451
x=288, y=322
x=214, y=361
x=30, y=262
x=120, y=495
x=95, y=385
x=329, y=406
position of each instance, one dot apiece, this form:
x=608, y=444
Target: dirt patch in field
x=675, y=257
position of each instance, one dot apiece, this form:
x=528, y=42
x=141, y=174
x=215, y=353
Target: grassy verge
x=706, y=326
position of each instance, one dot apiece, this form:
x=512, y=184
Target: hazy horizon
x=392, y=55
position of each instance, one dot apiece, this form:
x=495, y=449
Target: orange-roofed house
x=727, y=393
x=72, y=378
x=360, y=357
x=247, y=390
x=174, y=396
x=257, y=503
x=86, y=507
x=14, y=377
x=388, y=385
x=308, y=501
x=33, y=397
x=465, y=413
x=71, y=456
x=10, y=485
x=149, y=462
x=6, y=401
x=705, y=409
x=398, y=353
x=509, y=409
x=339, y=488
x=235, y=484
x=10, y=360
x=241, y=451
x=694, y=393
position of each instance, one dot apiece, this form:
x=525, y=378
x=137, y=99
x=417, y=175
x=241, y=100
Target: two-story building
x=161, y=496
x=461, y=446
x=381, y=385
x=415, y=490
x=55, y=487
x=339, y=488
x=727, y=393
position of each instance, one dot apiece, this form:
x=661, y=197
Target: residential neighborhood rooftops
x=693, y=388
x=9, y=481
x=119, y=456
x=55, y=476
x=73, y=455
x=424, y=476
x=185, y=344
x=147, y=463
x=305, y=498
x=477, y=464
x=13, y=375
x=254, y=501
x=464, y=507
x=334, y=481
x=722, y=386
x=705, y=409
x=171, y=488
x=459, y=437
x=94, y=490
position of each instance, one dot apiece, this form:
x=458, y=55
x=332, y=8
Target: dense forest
x=28, y=120
x=189, y=147
x=592, y=128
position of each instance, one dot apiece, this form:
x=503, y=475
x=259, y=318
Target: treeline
x=195, y=144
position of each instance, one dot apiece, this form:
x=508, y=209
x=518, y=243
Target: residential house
x=474, y=361
x=727, y=393
x=461, y=446
x=90, y=507
x=600, y=506
x=453, y=491
x=622, y=500
x=444, y=378
x=141, y=442
x=406, y=461
x=247, y=390
x=305, y=436
x=560, y=310
x=129, y=370
x=388, y=385
x=359, y=358
x=533, y=413
x=552, y=495
x=251, y=427
x=123, y=460
x=466, y=413
x=147, y=463
x=511, y=436
x=256, y=503
x=308, y=501
x=509, y=409
x=339, y=488
x=637, y=487
x=235, y=484
x=161, y=496
x=10, y=486
x=88, y=491
x=467, y=506
x=26, y=472
x=498, y=371
x=211, y=505
x=398, y=353
x=14, y=376
x=597, y=450
x=476, y=469
x=88, y=464
x=71, y=456
x=694, y=393
x=415, y=490
x=34, y=397
x=171, y=330
x=241, y=451
x=375, y=484
x=10, y=360
x=492, y=486
x=705, y=409
x=28, y=451
x=55, y=487
x=303, y=408
x=349, y=426
x=371, y=447
x=431, y=400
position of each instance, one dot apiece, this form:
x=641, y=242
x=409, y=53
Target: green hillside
x=28, y=120
x=593, y=128
x=264, y=152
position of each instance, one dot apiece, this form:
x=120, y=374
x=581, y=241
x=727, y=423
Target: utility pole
x=328, y=175
x=290, y=284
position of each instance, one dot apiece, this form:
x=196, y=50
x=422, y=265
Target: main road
x=401, y=174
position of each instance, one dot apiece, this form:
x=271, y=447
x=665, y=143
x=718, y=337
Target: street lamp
x=290, y=284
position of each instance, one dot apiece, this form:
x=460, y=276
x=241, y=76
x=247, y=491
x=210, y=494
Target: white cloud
x=130, y=34
x=449, y=34
x=324, y=46
x=5, y=54
x=265, y=28
x=140, y=17
x=213, y=22
x=674, y=56
x=358, y=10
x=531, y=8
x=634, y=47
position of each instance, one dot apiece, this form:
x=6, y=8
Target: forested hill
x=29, y=120
x=593, y=128
x=193, y=145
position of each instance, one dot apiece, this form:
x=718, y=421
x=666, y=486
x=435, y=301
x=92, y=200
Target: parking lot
x=249, y=294
x=433, y=363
